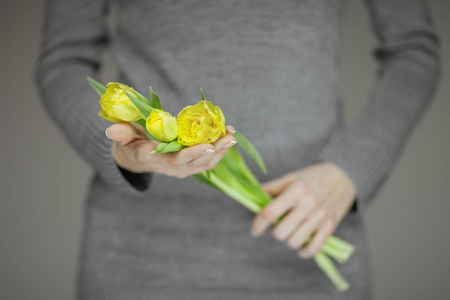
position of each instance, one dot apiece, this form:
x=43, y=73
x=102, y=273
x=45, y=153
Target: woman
x=152, y=232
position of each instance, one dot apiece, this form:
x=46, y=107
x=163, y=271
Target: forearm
x=368, y=149
x=73, y=39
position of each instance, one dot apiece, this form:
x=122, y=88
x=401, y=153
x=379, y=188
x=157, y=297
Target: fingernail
x=231, y=130
x=210, y=151
x=106, y=132
x=230, y=144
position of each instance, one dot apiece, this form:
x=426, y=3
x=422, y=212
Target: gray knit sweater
x=272, y=68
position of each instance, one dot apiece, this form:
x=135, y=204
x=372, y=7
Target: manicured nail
x=230, y=144
x=231, y=130
x=210, y=151
x=106, y=132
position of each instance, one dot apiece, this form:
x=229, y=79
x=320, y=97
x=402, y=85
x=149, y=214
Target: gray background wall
x=43, y=182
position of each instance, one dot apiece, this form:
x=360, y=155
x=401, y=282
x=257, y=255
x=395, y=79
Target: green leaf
x=145, y=109
x=203, y=178
x=251, y=150
x=155, y=99
x=160, y=148
x=141, y=97
x=173, y=146
x=236, y=163
x=97, y=86
x=231, y=186
x=203, y=95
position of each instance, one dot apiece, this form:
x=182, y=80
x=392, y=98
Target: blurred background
x=43, y=182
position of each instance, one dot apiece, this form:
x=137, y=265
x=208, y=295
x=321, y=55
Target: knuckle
x=330, y=222
x=268, y=213
x=278, y=234
x=321, y=213
x=193, y=164
x=310, y=202
x=292, y=244
x=308, y=252
x=303, y=187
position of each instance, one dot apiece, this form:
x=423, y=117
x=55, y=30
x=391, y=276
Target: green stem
x=338, y=254
x=327, y=266
x=232, y=177
x=340, y=244
x=235, y=192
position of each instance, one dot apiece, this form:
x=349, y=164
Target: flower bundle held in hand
x=205, y=123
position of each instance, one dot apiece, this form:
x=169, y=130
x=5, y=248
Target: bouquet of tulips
x=205, y=123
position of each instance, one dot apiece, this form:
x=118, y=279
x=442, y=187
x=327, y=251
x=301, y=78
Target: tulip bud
x=116, y=106
x=200, y=123
x=162, y=125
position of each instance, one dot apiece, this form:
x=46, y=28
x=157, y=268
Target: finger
x=188, y=154
x=123, y=133
x=318, y=240
x=272, y=211
x=276, y=186
x=201, y=161
x=304, y=230
x=288, y=224
x=221, y=146
x=139, y=130
x=224, y=143
x=230, y=129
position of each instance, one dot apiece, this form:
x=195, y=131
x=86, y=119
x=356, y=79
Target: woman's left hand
x=317, y=198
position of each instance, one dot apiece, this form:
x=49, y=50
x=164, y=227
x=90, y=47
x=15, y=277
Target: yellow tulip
x=116, y=106
x=200, y=123
x=162, y=125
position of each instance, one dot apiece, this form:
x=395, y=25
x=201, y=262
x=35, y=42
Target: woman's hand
x=131, y=151
x=317, y=198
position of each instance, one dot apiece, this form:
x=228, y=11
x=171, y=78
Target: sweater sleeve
x=408, y=56
x=74, y=35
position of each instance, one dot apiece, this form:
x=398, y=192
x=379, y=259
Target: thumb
x=123, y=133
x=277, y=185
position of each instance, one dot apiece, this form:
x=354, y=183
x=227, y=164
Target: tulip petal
x=102, y=114
x=151, y=137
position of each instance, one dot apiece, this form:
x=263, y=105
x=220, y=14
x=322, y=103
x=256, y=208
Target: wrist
x=344, y=176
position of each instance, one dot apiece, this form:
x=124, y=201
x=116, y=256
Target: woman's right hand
x=131, y=151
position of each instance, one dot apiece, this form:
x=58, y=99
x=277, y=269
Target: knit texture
x=272, y=68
